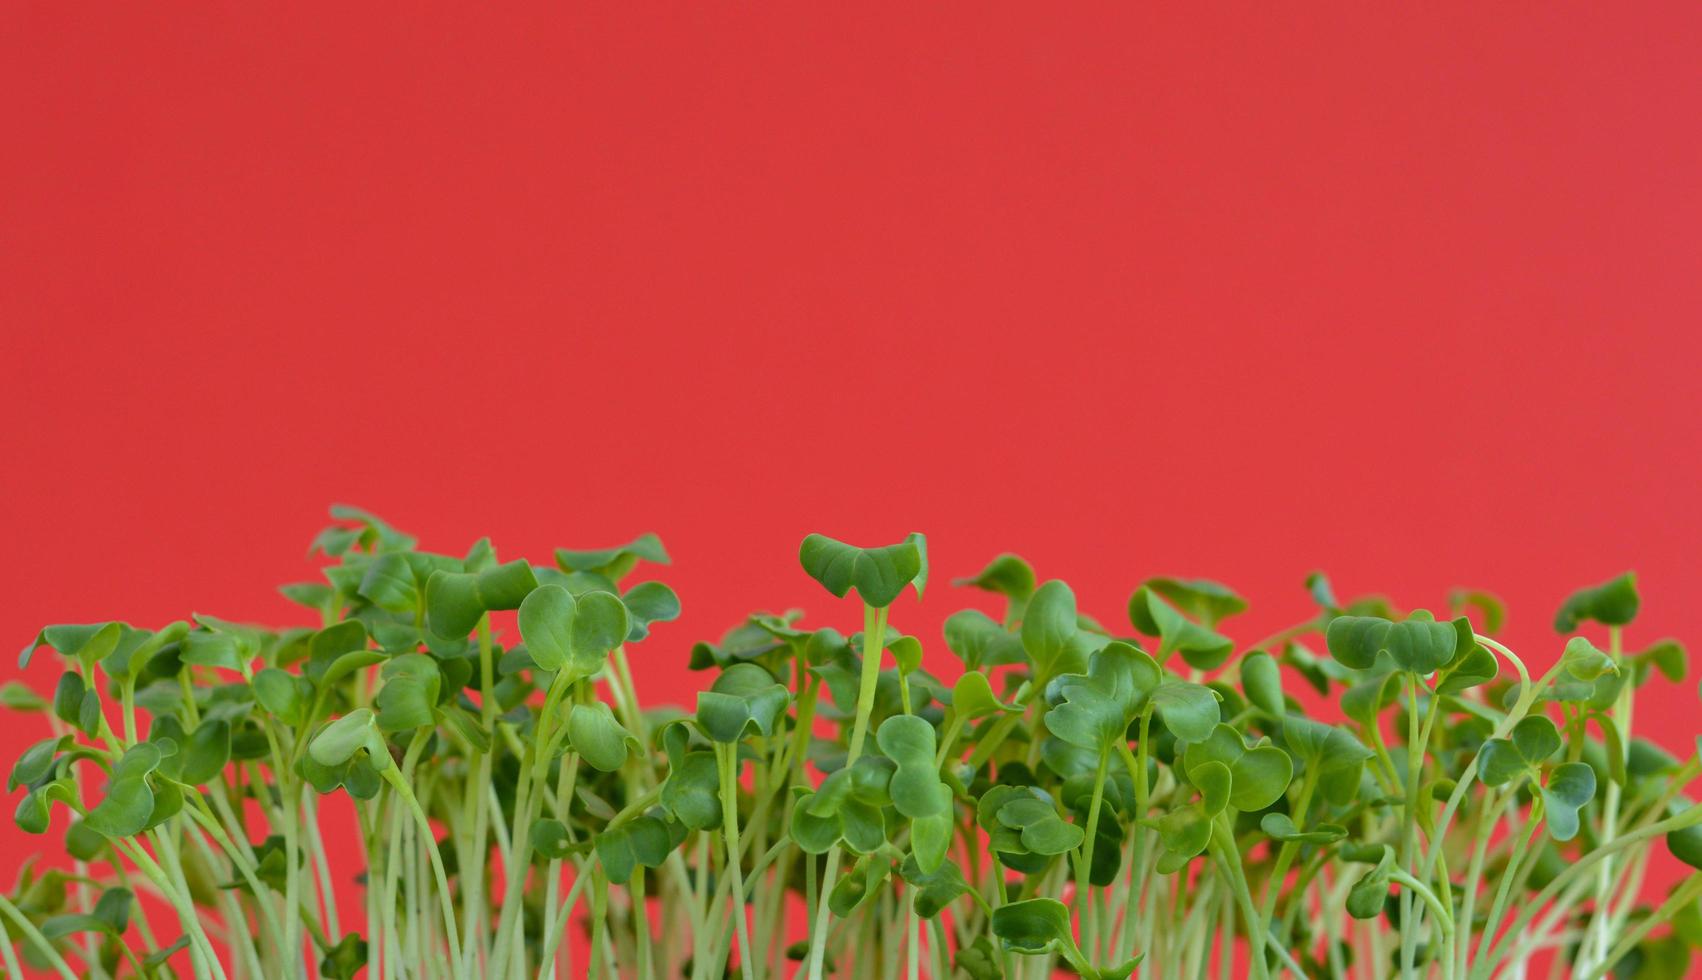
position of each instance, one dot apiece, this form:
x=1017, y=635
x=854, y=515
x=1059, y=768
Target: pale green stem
x=34, y=935
x=874, y=633
x=445, y=899
x=727, y=757
x=1681, y=896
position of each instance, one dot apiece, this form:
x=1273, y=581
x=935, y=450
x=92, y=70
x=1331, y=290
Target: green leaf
x=1281, y=827
x=389, y=583
x=1097, y=708
x=313, y=595
x=125, y=809
x=456, y=600
x=1667, y=656
x=17, y=696
x=342, y=961
x=1202, y=599
x=83, y=642
x=338, y=742
x=1318, y=586
x=408, y=699
x=1418, y=646
x=599, y=625
x=219, y=644
x=1034, y=926
x=283, y=694
x=744, y=700
x=878, y=574
x=1201, y=646
x=1570, y=786
x=36, y=762
x=1365, y=900
x=906, y=652
x=347, y=664
x=598, y=738
x=1338, y=757
x=1008, y=575
x=692, y=792
x=205, y=753
x=917, y=791
x=1260, y=775
x=980, y=642
x=1042, y=830
x=614, y=563
x=1261, y=681
x=935, y=890
x=68, y=697
x=546, y=624
x=1214, y=782
x=979, y=960
x=110, y=916
x=972, y=697
x=1613, y=603
x=1582, y=661
x=1049, y=629
x=861, y=882
x=1183, y=831
x=641, y=842
x=550, y=838
x=1534, y=739
x=648, y=603
x=1189, y=710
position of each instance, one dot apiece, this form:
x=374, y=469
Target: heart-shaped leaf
x=1260, y=774
x=1097, y=708
x=878, y=574
x=641, y=842
x=744, y=700
x=1418, y=646
x=1533, y=740
x=1613, y=603
x=456, y=600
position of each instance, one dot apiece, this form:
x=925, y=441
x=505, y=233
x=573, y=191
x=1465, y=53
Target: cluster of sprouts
x=1370, y=793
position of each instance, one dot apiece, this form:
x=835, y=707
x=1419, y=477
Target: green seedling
x=1367, y=793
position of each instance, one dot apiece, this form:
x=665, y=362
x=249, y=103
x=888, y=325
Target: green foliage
x=1612, y=603
x=1055, y=796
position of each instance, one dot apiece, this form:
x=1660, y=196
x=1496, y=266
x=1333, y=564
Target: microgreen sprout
x=1155, y=800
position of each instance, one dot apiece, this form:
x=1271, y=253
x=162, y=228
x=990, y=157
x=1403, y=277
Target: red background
x=1407, y=294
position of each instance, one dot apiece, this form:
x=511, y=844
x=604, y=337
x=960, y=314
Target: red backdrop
x=1410, y=295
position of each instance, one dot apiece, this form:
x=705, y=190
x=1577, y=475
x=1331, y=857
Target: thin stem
x=874, y=633
x=445, y=899
x=33, y=934
x=727, y=757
